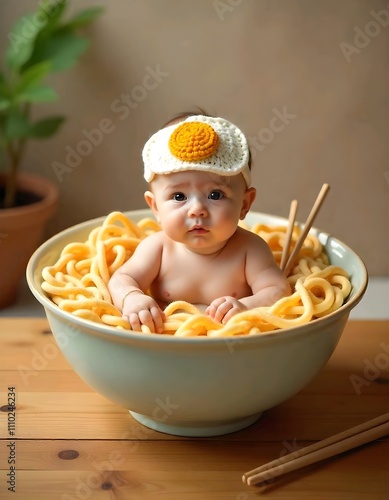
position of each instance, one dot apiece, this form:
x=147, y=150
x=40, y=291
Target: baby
x=199, y=178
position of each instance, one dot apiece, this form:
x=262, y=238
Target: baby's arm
x=128, y=284
x=264, y=277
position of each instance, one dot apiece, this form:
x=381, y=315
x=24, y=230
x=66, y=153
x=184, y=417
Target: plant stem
x=14, y=151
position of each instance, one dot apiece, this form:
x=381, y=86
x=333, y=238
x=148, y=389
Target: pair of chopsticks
x=287, y=258
x=339, y=443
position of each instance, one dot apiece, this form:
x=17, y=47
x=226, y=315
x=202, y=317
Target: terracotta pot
x=21, y=231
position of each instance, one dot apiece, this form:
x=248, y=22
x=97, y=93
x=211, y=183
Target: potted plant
x=39, y=44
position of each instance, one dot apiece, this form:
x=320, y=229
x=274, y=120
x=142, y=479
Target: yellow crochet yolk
x=193, y=141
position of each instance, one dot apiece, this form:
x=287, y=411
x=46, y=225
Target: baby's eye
x=179, y=197
x=215, y=195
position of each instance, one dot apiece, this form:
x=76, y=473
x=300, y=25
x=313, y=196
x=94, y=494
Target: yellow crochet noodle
x=77, y=283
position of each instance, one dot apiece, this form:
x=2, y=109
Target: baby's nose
x=197, y=209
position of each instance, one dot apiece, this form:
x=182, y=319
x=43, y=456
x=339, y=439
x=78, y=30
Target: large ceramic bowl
x=195, y=386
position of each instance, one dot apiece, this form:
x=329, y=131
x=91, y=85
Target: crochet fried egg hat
x=202, y=143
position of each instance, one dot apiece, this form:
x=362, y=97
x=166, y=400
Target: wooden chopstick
x=289, y=232
x=339, y=443
x=308, y=224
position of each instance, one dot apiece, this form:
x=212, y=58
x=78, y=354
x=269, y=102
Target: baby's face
x=200, y=209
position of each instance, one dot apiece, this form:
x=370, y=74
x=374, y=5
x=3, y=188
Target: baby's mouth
x=198, y=230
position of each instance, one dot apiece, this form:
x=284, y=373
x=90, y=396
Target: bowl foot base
x=194, y=429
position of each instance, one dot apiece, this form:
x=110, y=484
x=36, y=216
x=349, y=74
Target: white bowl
x=195, y=386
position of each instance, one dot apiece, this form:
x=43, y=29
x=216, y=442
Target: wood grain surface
x=71, y=443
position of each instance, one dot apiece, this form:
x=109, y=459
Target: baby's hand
x=223, y=308
x=140, y=309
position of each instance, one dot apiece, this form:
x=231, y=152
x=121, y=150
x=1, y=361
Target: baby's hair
x=186, y=114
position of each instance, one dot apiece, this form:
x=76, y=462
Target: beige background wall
x=248, y=61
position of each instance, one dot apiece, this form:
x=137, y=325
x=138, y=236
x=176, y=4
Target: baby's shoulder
x=152, y=241
x=249, y=238
x=253, y=245
x=154, y=237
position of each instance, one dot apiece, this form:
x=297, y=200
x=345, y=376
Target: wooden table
x=71, y=443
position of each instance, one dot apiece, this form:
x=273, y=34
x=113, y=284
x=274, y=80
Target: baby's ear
x=150, y=200
x=248, y=200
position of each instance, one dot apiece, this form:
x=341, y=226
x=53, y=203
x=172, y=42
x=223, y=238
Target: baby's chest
x=200, y=279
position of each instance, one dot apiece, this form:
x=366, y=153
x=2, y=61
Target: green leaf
x=47, y=127
x=39, y=93
x=84, y=18
x=33, y=75
x=16, y=125
x=4, y=103
x=22, y=39
x=62, y=50
x=4, y=91
x=54, y=12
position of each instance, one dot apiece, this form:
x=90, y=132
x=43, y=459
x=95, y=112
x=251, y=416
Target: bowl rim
x=107, y=330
